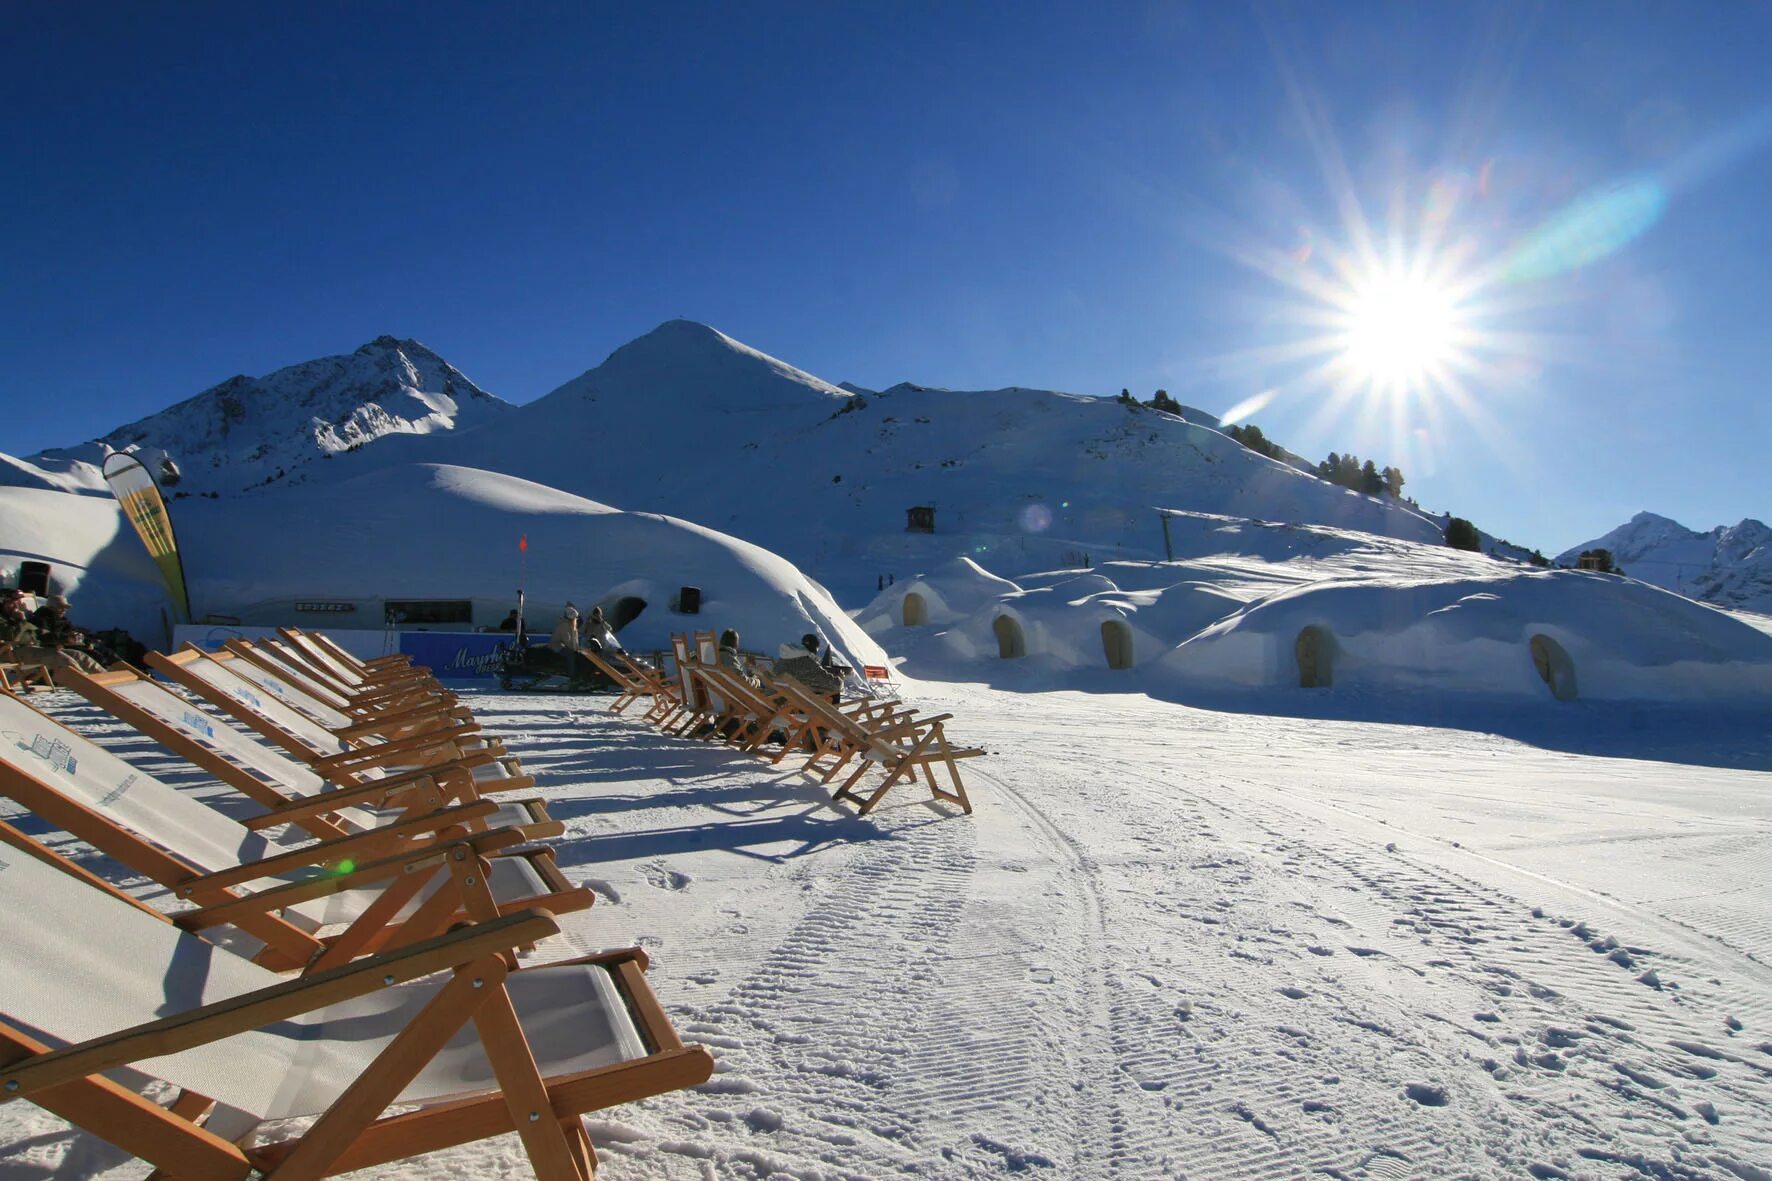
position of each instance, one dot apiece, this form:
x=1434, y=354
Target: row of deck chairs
x=335, y=980
x=840, y=739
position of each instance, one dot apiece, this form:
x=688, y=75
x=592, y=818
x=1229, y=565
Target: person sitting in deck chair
x=58, y=643
x=729, y=656
x=801, y=662
x=597, y=634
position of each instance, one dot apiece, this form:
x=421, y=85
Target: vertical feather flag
x=134, y=487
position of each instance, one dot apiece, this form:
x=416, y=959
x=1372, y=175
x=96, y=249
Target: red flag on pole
x=523, y=543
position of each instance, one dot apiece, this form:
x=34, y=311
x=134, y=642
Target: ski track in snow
x=1169, y=943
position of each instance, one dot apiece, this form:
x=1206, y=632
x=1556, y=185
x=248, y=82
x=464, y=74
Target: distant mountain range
x=1730, y=566
x=687, y=421
x=252, y=431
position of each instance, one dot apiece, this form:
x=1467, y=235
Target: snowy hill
x=250, y=431
x=1389, y=619
x=1730, y=566
x=687, y=421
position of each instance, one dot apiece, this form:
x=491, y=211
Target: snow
x=93, y=551
x=427, y=531
x=1170, y=941
x=1443, y=918
x=1399, y=618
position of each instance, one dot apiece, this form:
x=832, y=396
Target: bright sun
x=1400, y=332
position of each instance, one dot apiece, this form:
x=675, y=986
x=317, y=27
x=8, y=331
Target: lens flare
x=1036, y=518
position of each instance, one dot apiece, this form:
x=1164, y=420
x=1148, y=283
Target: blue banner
x=457, y=656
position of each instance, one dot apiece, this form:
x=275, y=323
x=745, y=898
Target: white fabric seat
x=296, y=713
x=79, y=963
x=289, y=776
x=197, y=834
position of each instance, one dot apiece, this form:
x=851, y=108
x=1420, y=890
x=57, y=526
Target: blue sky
x=1074, y=197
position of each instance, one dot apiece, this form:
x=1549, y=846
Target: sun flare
x=1400, y=331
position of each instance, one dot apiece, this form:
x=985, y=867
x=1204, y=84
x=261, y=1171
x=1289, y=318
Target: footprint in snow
x=1426, y=1094
x=1294, y=992
x=665, y=879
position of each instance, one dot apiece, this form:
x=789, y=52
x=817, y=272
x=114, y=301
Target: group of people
x=594, y=632
x=46, y=636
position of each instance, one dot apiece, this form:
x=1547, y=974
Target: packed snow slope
x=427, y=531
x=1730, y=565
x=1170, y=942
x=248, y=431
x=687, y=421
x=94, y=553
x=1383, y=617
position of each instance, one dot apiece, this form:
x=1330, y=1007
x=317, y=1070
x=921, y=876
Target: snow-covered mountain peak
x=684, y=367
x=1730, y=566
x=246, y=431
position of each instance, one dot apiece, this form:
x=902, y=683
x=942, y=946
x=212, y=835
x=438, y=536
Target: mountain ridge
x=1730, y=565
x=246, y=431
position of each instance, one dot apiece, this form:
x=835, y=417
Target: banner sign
x=457, y=656
x=133, y=486
x=451, y=656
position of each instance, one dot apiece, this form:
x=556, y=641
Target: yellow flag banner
x=134, y=487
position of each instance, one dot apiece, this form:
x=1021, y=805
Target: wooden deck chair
x=749, y=716
x=901, y=748
x=664, y=689
x=16, y=676
x=294, y=1078
x=297, y=893
x=371, y=664
x=693, y=709
x=631, y=685
x=823, y=739
x=377, y=690
x=335, y=662
x=291, y=791
x=236, y=689
x=417, y=698
x=309, y=730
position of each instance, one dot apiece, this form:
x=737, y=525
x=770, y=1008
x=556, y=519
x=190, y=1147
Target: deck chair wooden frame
x=186, y=846
x=902, y=748
x=450, y=982
x=278, y=656
x=225, y=681
x=666, y=693
x=693, y=709
x=751, y=715
x=18, y=676
x=632, y=686
x=289, y=790
x=373, y=663
x=334, y=661
x=407, y=704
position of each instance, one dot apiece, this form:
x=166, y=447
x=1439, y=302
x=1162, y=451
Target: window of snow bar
x=430, y=611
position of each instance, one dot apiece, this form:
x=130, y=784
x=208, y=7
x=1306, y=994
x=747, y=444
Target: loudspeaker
x=689, y=600
x=33, y=578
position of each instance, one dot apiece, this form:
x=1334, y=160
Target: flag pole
x=522, y=580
